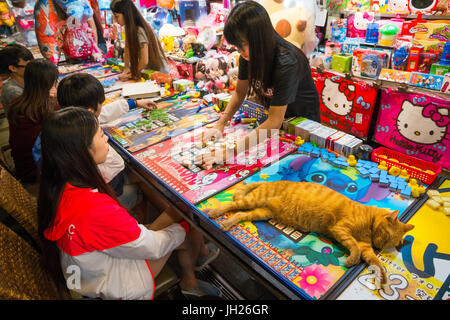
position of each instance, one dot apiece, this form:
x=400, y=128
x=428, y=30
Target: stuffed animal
x=233, y=69
x=213, y=74
x=6, y=19
x=295, y=23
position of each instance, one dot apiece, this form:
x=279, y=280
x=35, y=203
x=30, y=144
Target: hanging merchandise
x=346, y=105
x=416, y=124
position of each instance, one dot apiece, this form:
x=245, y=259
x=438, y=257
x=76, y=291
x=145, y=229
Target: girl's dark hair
x=67, y=135
x=133, y=20
x=80, y=90
x=249, y=21
x=35, y=102
x=11, y=54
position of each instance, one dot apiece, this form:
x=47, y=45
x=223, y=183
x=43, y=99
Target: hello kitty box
x=415, y=124
x=346, y=105
x=357, y=24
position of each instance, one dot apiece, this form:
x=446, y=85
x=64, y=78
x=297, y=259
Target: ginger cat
x=313, y=207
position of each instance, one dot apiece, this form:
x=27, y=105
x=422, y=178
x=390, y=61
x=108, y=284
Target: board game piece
x=437, y=199
x=433, y=193
x=393, y=187
x=394, y=171
x=433, y=204
x=384, y=182
x=406, y=192
x=374, y=177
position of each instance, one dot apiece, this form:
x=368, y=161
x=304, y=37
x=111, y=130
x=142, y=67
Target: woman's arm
x=235, y=102
x=265, y=130
x=143, y=57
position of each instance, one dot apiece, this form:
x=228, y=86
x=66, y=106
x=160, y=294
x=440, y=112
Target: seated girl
x=83, y=226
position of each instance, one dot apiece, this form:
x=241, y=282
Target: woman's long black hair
x=134, y=19
x=35, y=103
x=249, y=21
x=66, y=137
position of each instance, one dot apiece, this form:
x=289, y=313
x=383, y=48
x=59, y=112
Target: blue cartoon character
x=309, y=169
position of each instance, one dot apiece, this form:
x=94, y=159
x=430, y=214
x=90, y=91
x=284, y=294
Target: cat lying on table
x=313, y=207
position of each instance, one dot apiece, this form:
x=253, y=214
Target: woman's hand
x=146, y=104
x=209, y=134
x=125, y=75
x=207, y=160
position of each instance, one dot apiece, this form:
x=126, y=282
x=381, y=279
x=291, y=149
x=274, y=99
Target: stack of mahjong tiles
x=323, y=136
x=396, y=182
x=150, y=121
x=438, y=203
x=208, y=147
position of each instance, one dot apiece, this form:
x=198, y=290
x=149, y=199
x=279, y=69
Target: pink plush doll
x=214, y=75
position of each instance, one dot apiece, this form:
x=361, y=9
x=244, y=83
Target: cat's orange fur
x=313, y=207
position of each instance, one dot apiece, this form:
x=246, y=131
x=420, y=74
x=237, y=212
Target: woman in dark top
x=270, y=67
x=27, y=112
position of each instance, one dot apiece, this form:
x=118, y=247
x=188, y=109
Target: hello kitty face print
x=423, y=124
x=338, y=97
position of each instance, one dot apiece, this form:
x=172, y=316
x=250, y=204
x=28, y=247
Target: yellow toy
x=6, y=19
x=299, y=141
x=417, y=190
x=382, y=166
x=404, y=174
x=412, y=183
x=394, y=171
x=351, y=160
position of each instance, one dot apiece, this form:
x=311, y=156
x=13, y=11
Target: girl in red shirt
x=90, y=242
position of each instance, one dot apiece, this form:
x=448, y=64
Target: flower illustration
x=314, y=280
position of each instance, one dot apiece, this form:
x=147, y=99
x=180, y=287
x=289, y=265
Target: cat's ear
x=393, y=216
x=408, y=227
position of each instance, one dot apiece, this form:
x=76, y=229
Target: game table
x=291, y=263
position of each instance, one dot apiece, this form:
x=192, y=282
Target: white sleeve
x=151, y=244
x=113, y=111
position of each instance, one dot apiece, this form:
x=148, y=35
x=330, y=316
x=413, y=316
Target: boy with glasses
x=13, y=60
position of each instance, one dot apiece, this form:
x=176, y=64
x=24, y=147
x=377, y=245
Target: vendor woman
x=270, y=67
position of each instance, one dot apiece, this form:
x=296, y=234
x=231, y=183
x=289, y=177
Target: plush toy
x=294, y=22
x=6, y=19
x=214, y=77
x=48, y=21
x=233, y=69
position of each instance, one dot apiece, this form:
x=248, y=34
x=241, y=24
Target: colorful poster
x=136, y=131
x=195, y=184
x=308, y=263
x=420, y=270
x=345, y=105
x=415, y=124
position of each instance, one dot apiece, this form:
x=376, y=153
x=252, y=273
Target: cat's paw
x=351, y=261
x=214, y=213
x=226, y=225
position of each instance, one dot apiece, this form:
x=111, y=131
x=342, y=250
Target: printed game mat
x=420, y=270
x=139, y=128
x=171, y=160
x=308, y=263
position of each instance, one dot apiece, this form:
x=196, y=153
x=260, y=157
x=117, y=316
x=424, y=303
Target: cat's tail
x=243, y=190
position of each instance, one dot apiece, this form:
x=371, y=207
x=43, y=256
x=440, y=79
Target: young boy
x=13, y=60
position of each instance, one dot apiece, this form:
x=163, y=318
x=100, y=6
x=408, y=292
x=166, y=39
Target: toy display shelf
x=400, y=15
x=386, y=83
x=416, y=168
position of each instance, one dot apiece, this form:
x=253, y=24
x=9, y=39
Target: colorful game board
x=195, y=184
x=309, y=263
x=420, y=270
x=135, y=132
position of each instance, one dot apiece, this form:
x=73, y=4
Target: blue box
x=363, y=172
x=393, y=187
x=374, y=177
x=406, y=193
x=374, y=170
x=383, y=182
